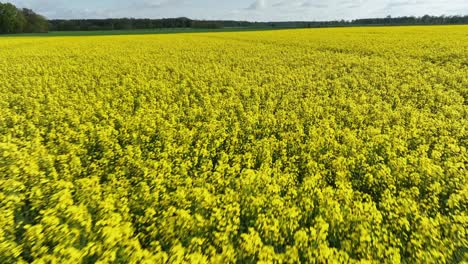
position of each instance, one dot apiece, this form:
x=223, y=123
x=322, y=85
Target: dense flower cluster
x=319, y=145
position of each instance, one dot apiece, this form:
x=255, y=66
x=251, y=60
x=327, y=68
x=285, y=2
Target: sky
x=250, y=10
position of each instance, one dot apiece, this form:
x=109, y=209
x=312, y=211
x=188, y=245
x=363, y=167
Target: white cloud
x=162, y=4
x=257, y=5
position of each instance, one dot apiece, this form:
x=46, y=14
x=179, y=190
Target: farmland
x=312, y=146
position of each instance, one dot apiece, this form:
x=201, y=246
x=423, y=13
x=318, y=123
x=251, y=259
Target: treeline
x=117, y=24
x=410, y=20
x=20, y=20
x=183, y=22
x=406, y=20
x=133, y=23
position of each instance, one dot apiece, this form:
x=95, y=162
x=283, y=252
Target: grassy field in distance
x=137, y=32
x=190, y=30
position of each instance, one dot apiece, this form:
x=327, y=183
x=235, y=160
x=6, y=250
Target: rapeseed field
x=343, y=145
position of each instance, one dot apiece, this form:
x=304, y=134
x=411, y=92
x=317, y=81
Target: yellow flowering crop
x=291, y=146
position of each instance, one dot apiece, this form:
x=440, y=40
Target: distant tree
x=34, y=22
x=21, y=22
x=206, y=24
x=11, y=19
x=14, y=20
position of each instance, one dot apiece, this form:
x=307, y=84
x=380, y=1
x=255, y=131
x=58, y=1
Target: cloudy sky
x=252, y=10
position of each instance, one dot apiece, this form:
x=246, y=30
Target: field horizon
x=197, y=30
